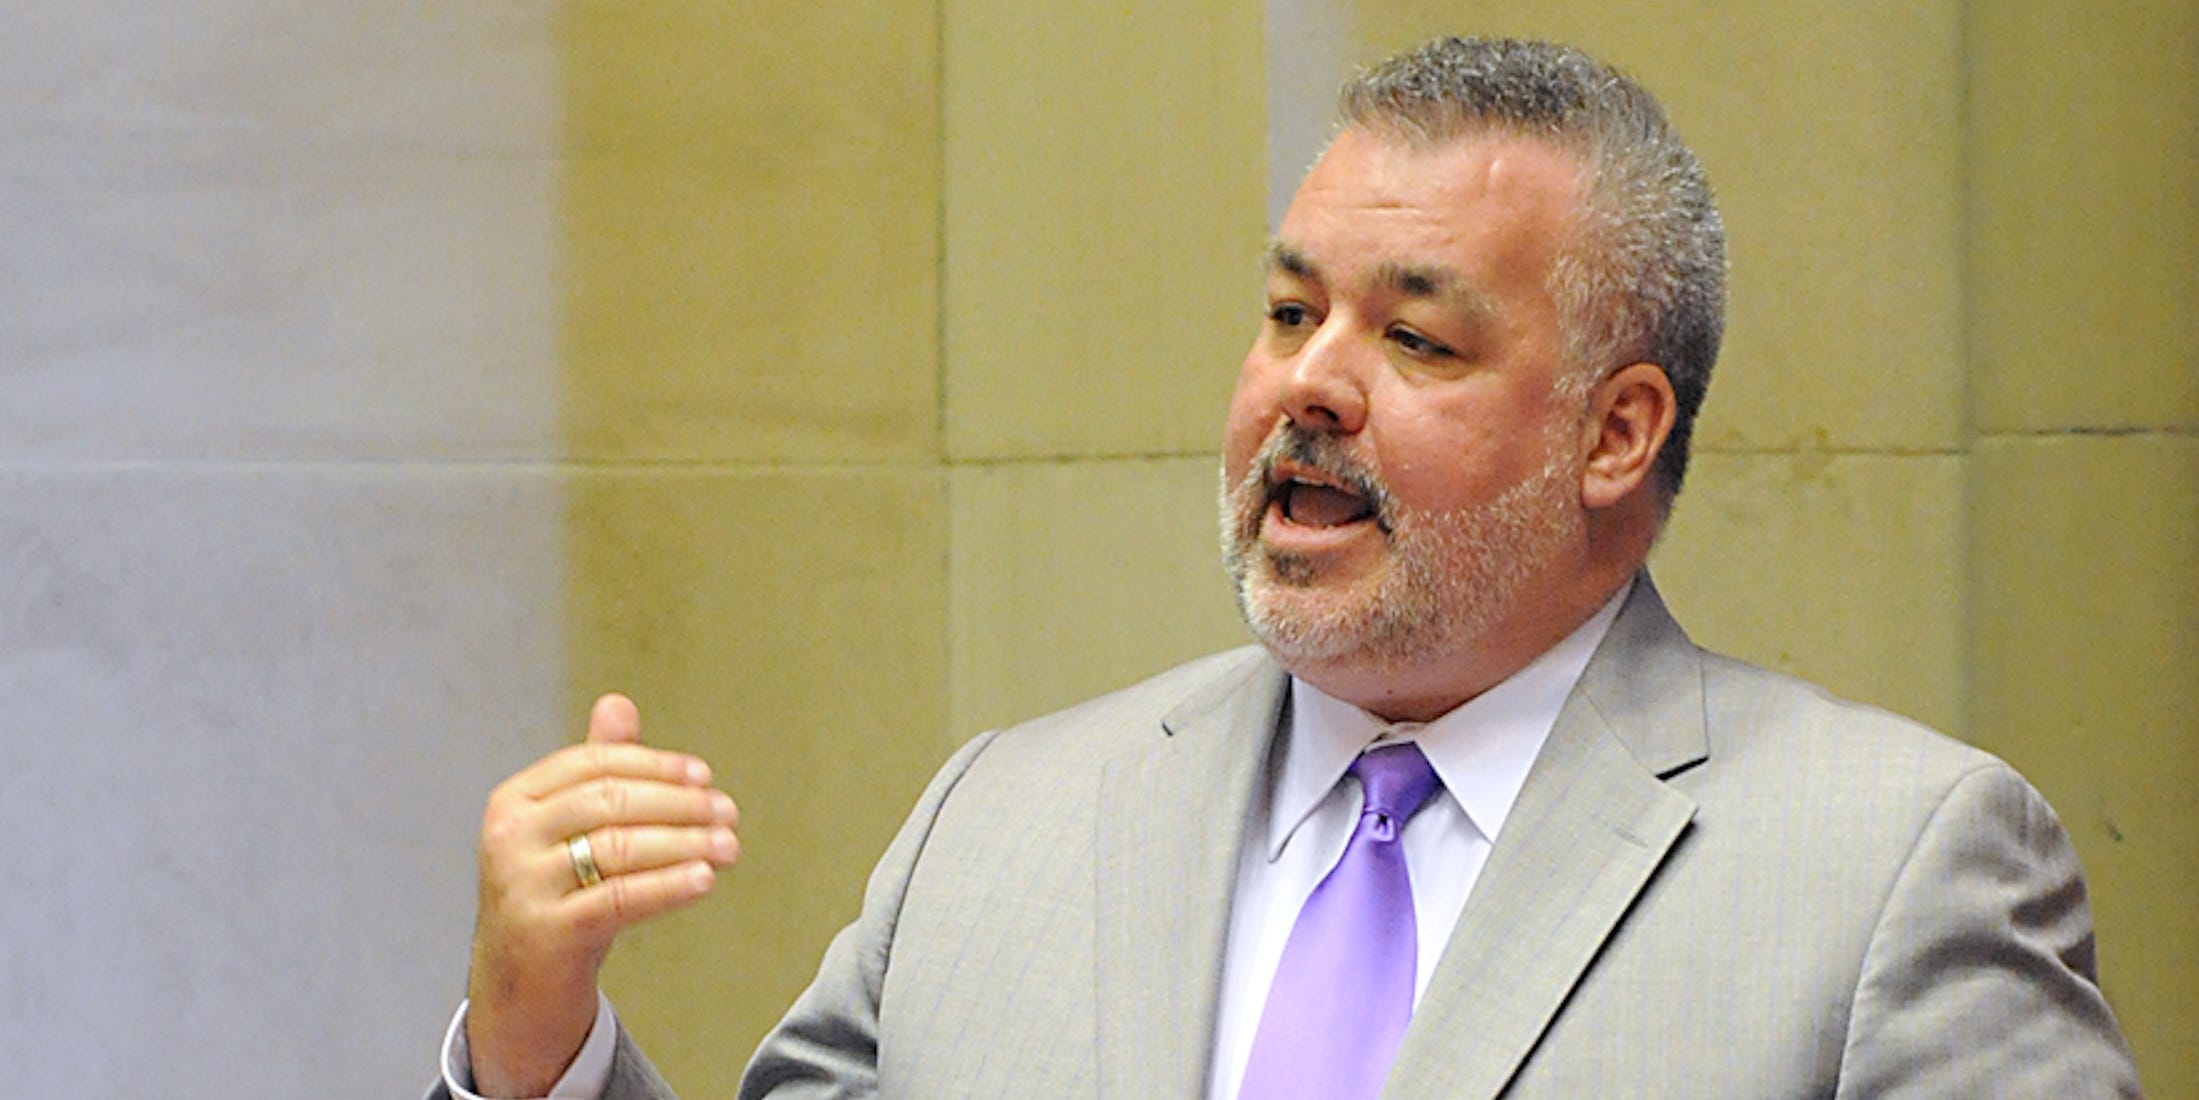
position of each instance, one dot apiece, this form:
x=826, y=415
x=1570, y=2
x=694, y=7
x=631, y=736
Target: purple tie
x=1344, y=989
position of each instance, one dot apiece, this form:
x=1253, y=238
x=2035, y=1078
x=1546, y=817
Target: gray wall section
x=280, y=522
x=1307, y=57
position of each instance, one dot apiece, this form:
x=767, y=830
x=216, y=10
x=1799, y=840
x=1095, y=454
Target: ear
x=1629, y=415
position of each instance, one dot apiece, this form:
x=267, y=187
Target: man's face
x=1400, y=474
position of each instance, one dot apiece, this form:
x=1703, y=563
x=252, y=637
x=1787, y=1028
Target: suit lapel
x=1590, y=828
x=1171, y=817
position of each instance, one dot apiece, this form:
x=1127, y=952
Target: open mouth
x=1320, y=504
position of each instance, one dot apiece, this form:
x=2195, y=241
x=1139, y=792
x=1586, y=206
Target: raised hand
x=578, y=846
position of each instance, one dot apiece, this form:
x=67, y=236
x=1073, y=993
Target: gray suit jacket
x=1717, y=882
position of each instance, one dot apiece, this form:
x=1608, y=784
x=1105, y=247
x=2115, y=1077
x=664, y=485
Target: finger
x=577, y=764
x=624, y=851
x=602, y=803
x=614, y=720
x=619, y=902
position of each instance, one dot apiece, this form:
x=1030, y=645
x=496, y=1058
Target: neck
x=1426, y=689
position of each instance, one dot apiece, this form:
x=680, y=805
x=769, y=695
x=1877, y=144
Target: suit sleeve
x=827, y=1045
x=1980, y=977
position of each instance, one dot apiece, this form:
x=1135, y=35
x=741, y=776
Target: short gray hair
x=1642, y=278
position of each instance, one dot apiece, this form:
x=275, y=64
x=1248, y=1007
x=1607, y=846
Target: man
x=1475, y=818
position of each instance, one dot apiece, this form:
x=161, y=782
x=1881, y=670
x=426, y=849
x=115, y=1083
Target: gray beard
x=1448, y=577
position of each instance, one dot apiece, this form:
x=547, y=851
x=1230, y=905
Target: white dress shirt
x=1481, y=751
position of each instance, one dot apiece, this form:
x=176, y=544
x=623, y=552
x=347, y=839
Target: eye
x=1418, y=346
x=1288, y=314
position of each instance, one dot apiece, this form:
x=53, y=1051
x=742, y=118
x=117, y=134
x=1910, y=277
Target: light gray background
x=279, y=528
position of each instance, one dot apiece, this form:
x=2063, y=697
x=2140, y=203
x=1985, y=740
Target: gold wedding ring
x=584, y=860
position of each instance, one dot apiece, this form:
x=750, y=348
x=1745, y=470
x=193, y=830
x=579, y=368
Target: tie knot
x=1397, y=780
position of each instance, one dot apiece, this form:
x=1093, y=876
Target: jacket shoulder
x=1143, y=707
x=1749, y=708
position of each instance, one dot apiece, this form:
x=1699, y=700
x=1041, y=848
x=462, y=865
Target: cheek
x=1432, y=462
x=1252, y=414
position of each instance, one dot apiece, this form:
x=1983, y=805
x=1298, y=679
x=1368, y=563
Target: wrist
x=523, y=1053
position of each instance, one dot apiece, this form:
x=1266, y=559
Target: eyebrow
x=1439, y=284
x=1416, y=282
x=1282, y=257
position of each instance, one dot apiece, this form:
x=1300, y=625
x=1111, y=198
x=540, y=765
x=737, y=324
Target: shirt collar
x=1481, y=749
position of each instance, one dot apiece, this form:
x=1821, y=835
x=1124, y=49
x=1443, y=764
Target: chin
x=1369, y=624
x=1438, y=591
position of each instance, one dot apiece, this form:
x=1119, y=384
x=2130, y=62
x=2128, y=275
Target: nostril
x=1317, y=414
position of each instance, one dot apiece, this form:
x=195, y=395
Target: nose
x=1324, y=390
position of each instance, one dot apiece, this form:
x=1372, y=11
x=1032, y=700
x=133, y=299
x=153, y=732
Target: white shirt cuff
x=583, y=1080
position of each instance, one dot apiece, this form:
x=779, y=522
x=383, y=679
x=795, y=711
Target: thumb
x=614, y=719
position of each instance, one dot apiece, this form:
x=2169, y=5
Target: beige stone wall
x=749, y=378
x=895, y=342
x=2083, y=465
x=1103, y=213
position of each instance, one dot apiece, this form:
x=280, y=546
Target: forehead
x=1376, y=205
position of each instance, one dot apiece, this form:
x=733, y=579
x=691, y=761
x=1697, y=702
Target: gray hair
x=1642, y=276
